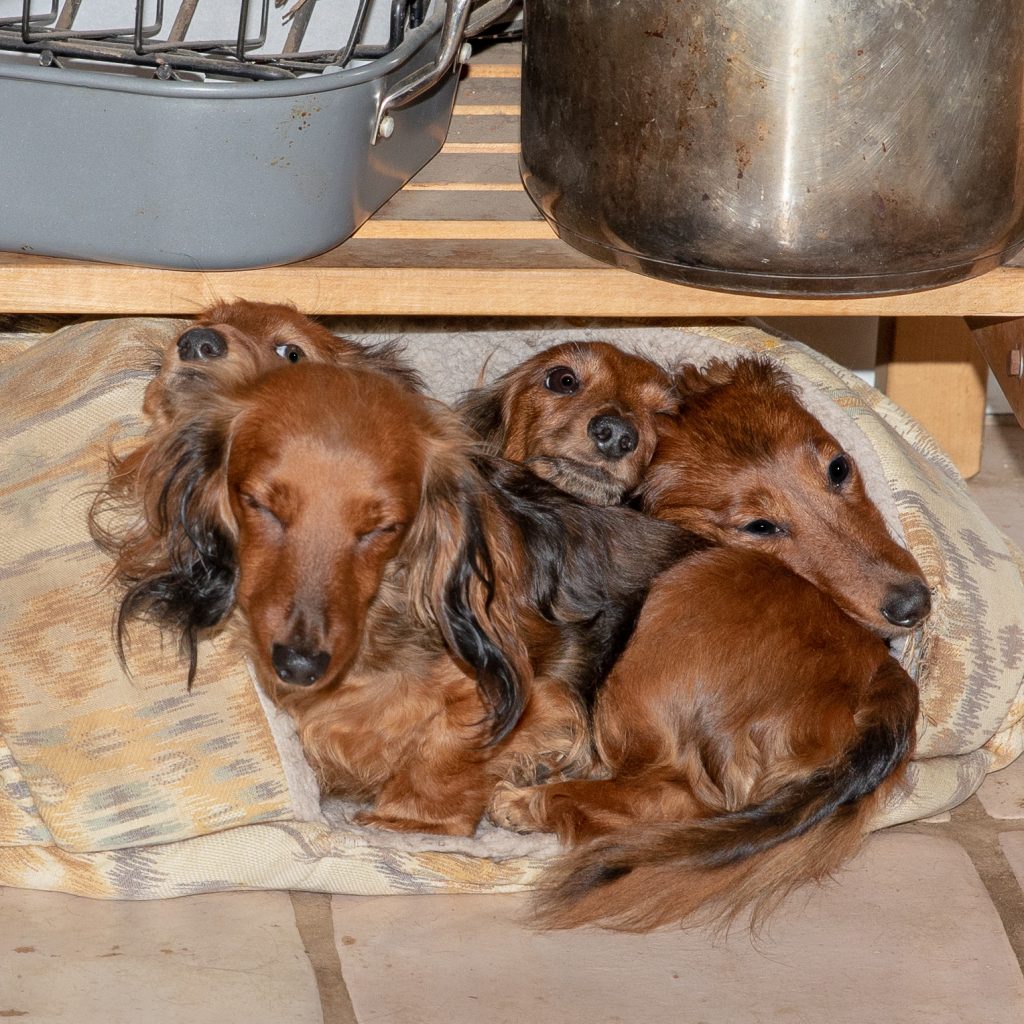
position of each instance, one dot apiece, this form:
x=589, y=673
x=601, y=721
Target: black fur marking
x=589, y=567
x=499, y=684
x=587, y=570
x=388, y=357
x=590, y=877
x=197, y=589
x=481, y=411
x=796, y=808
x=190, y=597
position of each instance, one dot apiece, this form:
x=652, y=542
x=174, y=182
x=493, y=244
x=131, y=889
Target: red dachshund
x=753, y=724
x=746, y=465
x=582, y=415
x=252, y=338
x=435, y=620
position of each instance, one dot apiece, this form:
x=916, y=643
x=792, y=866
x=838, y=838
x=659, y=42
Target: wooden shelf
x=38, y=285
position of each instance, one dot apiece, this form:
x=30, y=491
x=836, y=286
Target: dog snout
x=612, y=436
x=907, y=604
x=299, y=666
x=201, y=343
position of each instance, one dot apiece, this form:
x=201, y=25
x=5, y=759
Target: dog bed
x=135, y=787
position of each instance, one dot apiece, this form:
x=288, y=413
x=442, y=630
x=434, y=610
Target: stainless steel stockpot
x=779, y=146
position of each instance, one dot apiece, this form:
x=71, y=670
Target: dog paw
x=515, y=808
x=370, y=819
x=533, y=769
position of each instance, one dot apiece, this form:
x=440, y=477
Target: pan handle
x=457, y=27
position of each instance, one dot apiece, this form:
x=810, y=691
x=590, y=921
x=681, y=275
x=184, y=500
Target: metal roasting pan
x=117, y=165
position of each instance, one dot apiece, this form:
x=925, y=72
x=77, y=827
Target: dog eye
x=257, y=506
x=384, y=530
x=290, y=352
x=562, y=381
x=838, y=470
x=761, y=528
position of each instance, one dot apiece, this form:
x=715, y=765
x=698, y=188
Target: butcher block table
x=463, y=239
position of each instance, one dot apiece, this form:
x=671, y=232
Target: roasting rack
x=75, y=30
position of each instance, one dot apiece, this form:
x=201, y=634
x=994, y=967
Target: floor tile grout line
x=315, y=925
x=978, y=833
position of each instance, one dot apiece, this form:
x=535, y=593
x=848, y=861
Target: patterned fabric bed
x=133, y=787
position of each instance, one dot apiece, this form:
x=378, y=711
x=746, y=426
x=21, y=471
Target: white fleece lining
x=303, y=787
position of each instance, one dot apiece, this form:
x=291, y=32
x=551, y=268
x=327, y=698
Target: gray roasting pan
x=209, y=175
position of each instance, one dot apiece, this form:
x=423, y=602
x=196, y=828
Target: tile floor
x=927, y=925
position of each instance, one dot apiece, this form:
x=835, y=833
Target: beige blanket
x=123, y=787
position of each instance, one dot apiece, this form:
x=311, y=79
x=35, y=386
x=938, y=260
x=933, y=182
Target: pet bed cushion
x=136, y=787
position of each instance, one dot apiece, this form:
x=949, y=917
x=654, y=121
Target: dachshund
x=756, y=719
x=229, y=345
x=582, y=415
x=745, y=464
x=253, y=338
x=434, y=619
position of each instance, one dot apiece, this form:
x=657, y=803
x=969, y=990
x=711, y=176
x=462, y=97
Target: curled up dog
x=756, y=720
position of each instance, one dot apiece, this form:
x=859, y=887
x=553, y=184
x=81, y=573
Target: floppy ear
x=455, y=585
x=388, y=358
x=483, y=411
x=176, y=557
x=753, y=372
x=691, y=380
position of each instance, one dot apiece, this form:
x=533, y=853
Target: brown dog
x=433, y=619
x=746, y=465
x=254, y=338
x=752, y=726
x=582, y=415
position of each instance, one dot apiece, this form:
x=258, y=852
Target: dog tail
x=706, y=871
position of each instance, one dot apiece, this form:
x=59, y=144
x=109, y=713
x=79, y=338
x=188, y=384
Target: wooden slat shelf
x=38, y=285
x=462, y=238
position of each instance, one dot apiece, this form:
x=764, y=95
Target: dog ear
x=176, y=558
x=457, y=586
x=388, y=357
x=754, y=372
x=483, y=411
x=691, y=380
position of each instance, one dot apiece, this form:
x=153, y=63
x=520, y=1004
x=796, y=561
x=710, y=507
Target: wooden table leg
x=933, y=369
x=1002, y=344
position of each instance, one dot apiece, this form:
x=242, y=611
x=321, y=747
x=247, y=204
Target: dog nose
x=613, y=437
x=201, y=343
x=297, y=666
x=907, y=604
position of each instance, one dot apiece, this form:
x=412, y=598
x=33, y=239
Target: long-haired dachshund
x=582, y=415
x=746, y=465
x=432, y=619
x=753, y=724
x=248, y=339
